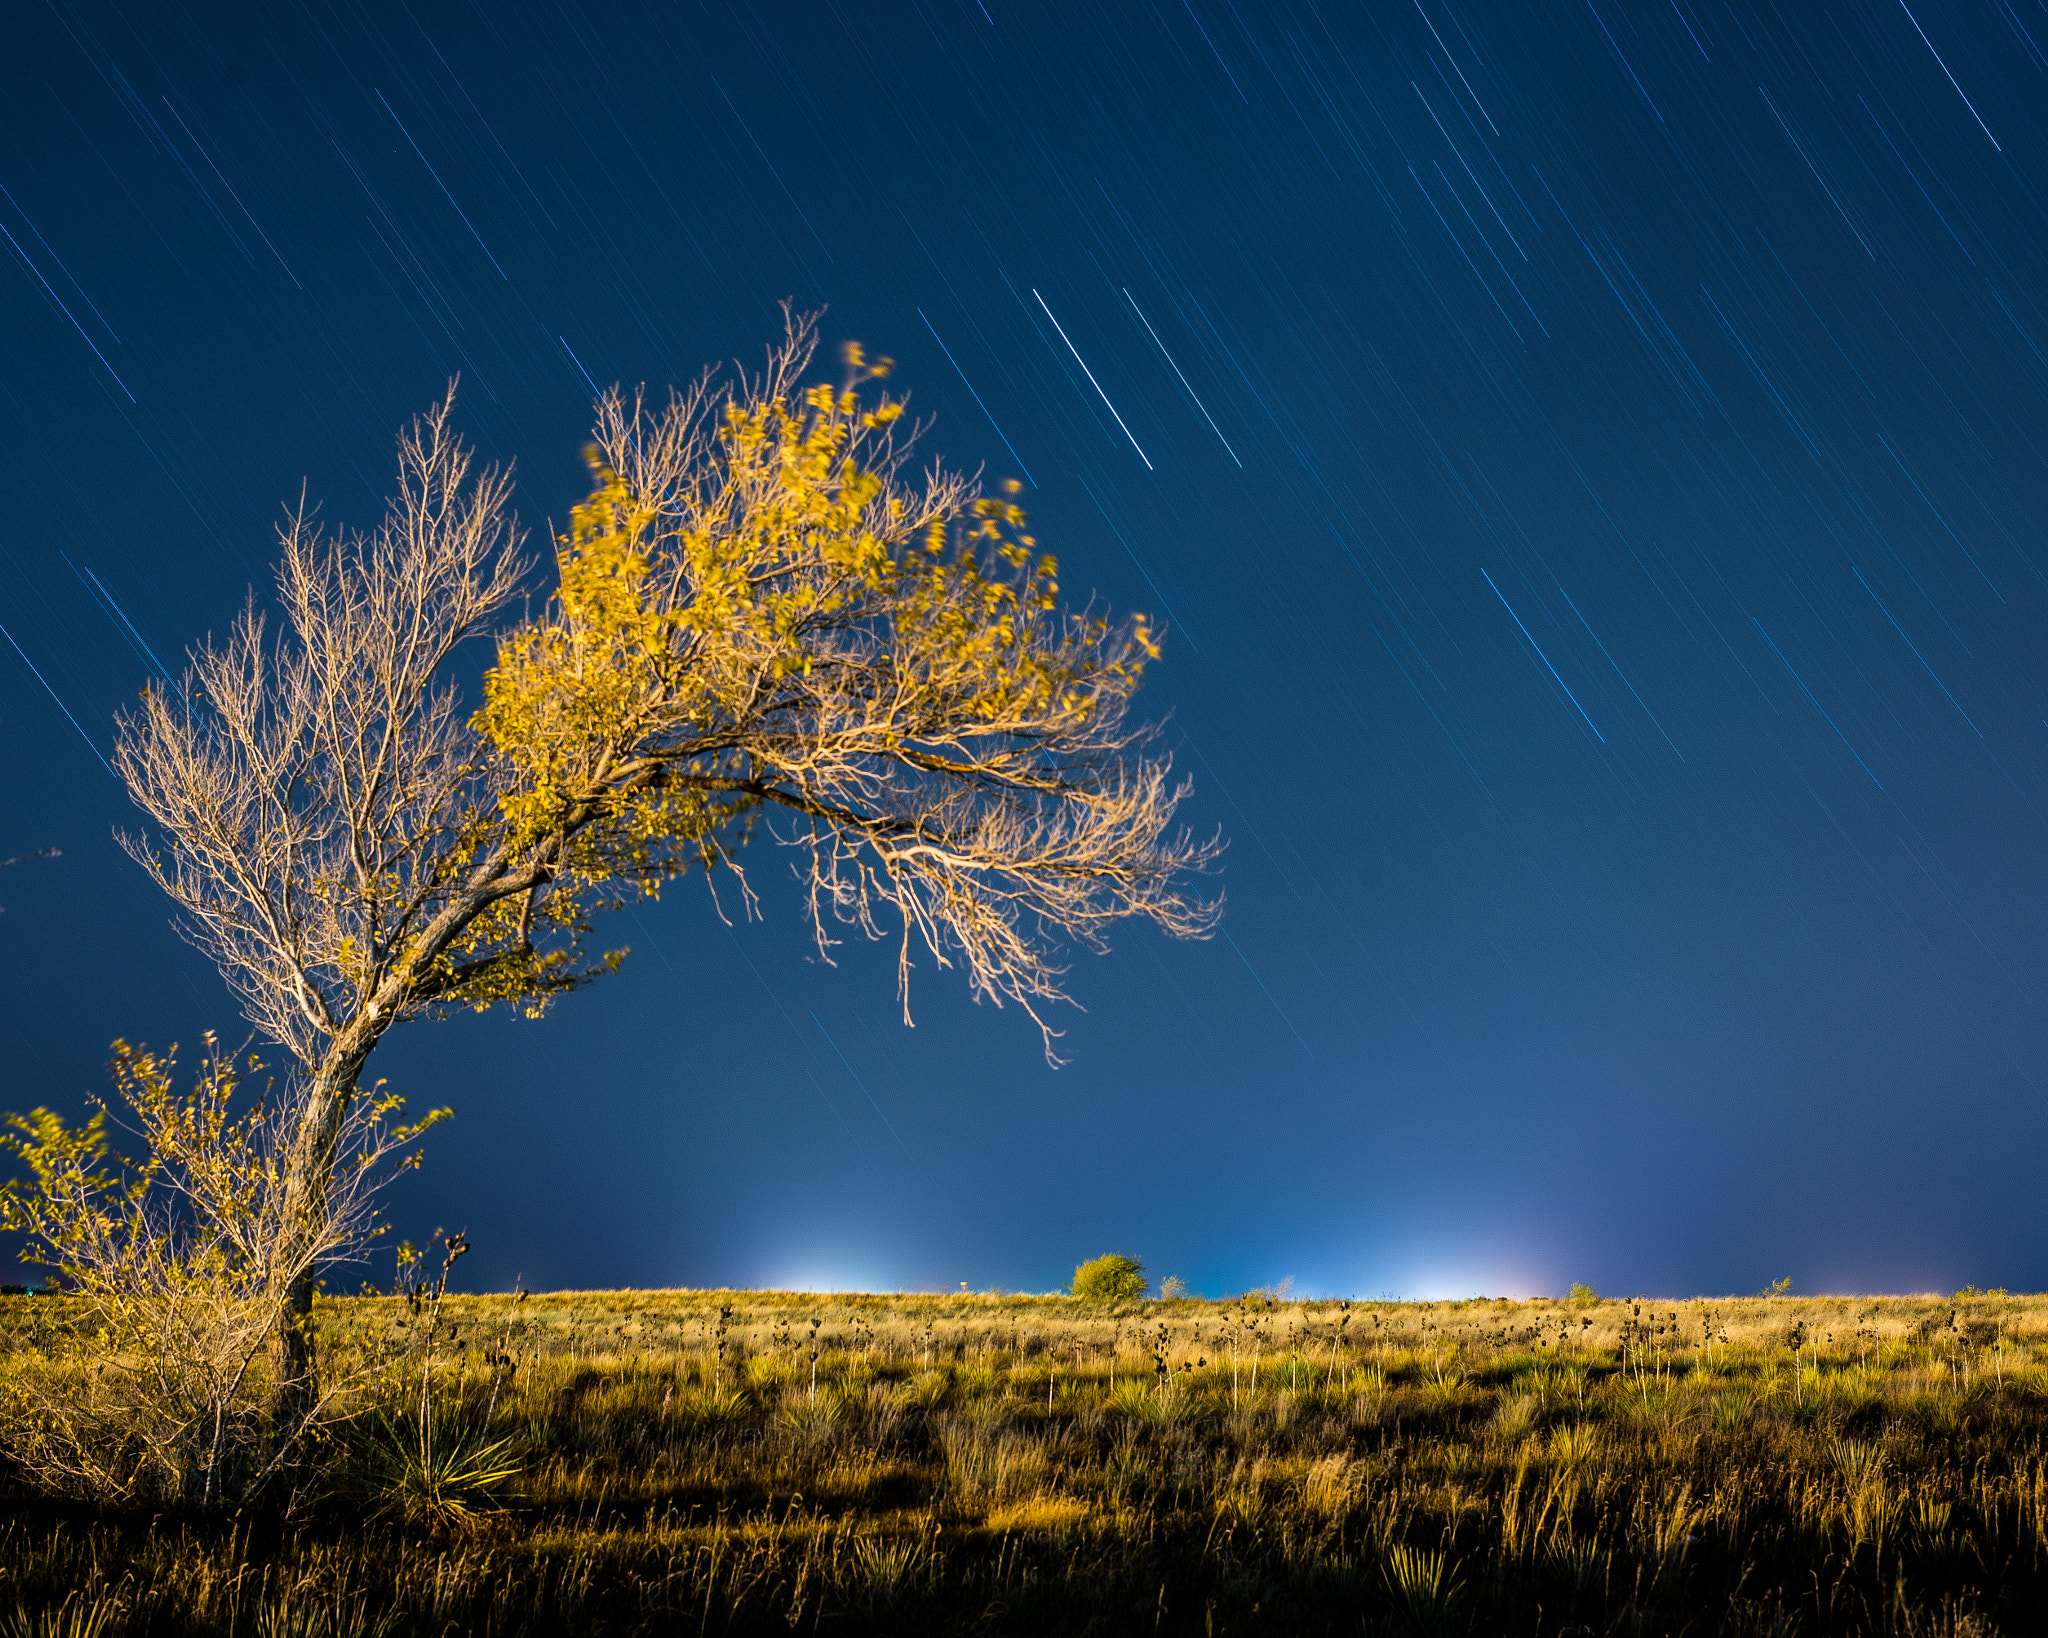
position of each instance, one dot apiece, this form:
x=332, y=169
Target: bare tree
x=757, y=613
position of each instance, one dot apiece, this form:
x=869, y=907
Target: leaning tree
x=759, y=612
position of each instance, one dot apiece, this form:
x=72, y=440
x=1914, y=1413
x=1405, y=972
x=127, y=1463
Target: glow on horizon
x=832, y=1282
x=1427, y=1279
x=1455, y=1282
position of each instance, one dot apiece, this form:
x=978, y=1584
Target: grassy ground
x=747, y=1461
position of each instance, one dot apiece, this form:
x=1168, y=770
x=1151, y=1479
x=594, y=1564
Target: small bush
x=156, y=1377
x=1110, y=1278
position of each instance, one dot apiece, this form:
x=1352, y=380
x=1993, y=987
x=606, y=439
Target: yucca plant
x=428, y=1474
x=720, y=1405
x=1934, y=1525
x=929, y=1389
x=1423, y=1585
x=79, y=1616
x=1445, y=1386
x=1575, y=1445
x=883, y=1566
x=1574, y=1562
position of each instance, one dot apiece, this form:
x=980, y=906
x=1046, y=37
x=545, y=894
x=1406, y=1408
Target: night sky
x=1588, y=456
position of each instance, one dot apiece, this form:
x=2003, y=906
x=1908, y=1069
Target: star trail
x=1587, y=457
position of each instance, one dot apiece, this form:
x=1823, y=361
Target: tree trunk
x=315, y=1147
x=303, y=1230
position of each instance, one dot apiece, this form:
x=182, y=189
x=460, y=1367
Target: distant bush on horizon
x=1110, y=1278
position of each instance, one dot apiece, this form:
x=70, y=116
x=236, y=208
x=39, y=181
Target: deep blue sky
x=1590, y=456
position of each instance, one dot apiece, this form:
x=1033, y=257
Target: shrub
x=1581, y=1295
x=149, y=1378
x=1110, y=1278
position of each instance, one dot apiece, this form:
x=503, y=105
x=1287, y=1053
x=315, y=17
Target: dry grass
x=690, y=1461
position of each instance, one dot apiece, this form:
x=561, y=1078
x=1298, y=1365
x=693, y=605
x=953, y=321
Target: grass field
x=710, y=1462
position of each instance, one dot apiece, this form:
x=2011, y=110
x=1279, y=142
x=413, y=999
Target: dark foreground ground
x=716, y=1462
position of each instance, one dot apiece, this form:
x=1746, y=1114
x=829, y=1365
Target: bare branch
x=313, y=789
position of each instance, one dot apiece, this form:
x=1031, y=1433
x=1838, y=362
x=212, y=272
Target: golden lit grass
x=1035, y=1513
x=712, y=1461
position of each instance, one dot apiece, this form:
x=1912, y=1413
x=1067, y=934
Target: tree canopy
x=760, y=615
x=755, y=614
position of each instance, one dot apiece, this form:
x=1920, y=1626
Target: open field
x=768, y=1462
